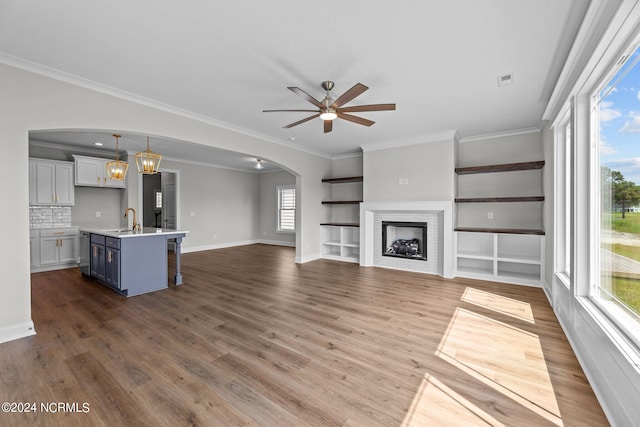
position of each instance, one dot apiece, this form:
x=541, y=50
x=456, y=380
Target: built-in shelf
x=341, y=240
x=341, y=202
x=500, y=199
x=501, y=230
x=341, y=180
x=507, y=167
x=511, y=257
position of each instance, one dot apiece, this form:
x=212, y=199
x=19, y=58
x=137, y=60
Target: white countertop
x=123, y=233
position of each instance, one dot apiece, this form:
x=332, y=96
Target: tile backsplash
x=49, y=216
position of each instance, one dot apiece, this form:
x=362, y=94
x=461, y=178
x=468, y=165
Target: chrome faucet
x=136, y=226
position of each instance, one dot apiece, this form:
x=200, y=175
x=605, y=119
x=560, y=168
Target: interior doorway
x=160, y=200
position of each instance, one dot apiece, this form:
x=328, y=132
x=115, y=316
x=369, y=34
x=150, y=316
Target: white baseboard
x=277, y=243
x=186, y=250
x=308, y=258
x=17, y=331
x=43, y=268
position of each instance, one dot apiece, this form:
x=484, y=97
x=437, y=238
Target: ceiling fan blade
x=355, y=119
x=328, y=126
x=299, y=122
x=277, y=111
x=356, y=90
x=371, y=107
x=306, y=96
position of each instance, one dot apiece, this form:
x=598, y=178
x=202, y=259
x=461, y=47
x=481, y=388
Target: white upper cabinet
x=51, y=182
x=92, y=172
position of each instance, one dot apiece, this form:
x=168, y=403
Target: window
x=563, y=196
x=615, y=283
x=287, y=208
x=158, y=204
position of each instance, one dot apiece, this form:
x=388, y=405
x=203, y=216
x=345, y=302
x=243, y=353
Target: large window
x=287, y=208
x=616, y=197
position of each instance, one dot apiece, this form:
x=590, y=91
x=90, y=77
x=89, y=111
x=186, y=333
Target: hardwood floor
x=252, y=338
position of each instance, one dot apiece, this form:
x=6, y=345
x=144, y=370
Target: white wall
x=268, y=208
x=34, y=102
x=428, y=169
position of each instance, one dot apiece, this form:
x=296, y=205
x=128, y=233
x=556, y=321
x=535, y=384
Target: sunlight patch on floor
x=508, y=306
x=435, y=404
x=504, y=357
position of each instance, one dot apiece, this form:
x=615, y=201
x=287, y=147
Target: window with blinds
x=287, y=208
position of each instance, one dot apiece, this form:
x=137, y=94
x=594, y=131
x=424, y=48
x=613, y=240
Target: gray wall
x=268, y=207
x=525, y=147
x=90, y=200
x=428, y=168
x=217, y=206
x=342, y=167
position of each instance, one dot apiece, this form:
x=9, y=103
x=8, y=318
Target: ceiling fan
x=330, y=109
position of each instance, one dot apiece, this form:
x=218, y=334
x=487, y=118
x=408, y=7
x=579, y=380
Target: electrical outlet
x=98, y=213
x=490, y=215
x=192, y=213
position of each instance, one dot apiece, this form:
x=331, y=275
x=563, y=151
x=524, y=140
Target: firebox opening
x=404, y=239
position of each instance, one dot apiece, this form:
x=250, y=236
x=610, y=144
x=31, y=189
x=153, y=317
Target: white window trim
x=587, y=213
x=564, y=185
x=279, y=188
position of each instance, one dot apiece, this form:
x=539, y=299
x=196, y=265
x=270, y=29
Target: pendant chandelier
x=147, y=161
x=117, y=169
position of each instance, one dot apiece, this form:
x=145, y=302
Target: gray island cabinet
x=132, y=263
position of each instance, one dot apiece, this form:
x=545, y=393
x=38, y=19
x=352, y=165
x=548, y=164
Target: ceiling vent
x=505, y=79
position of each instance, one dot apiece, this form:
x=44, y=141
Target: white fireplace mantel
x=444, y=209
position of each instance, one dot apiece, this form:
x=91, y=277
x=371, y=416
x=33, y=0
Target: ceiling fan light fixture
x=329, y=114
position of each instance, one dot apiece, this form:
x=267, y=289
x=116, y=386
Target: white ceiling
x=228, y=60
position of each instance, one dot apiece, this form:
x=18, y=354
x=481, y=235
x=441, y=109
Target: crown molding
x=500, y=134
x=448, y=135
x=42, y=70
x=347, y=156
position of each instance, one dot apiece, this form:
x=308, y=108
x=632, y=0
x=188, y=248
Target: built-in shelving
x=342, y=180
x=501, y=230
x=341, y=202
x=506, y=167
x=341, y=243
x=500, y=199
x=341, y=239
x=512, y=250
x=512, y=258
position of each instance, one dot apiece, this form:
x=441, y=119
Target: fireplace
x=404, y=239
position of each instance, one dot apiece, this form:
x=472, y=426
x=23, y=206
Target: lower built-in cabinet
x=105, y=259
x=501, y=257
x=53, y=248
x=341, y=242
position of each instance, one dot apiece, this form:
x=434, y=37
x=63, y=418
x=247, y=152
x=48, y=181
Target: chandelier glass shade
x=117, y=169
x=147, y=161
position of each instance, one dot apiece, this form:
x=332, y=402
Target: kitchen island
x=130, y=262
